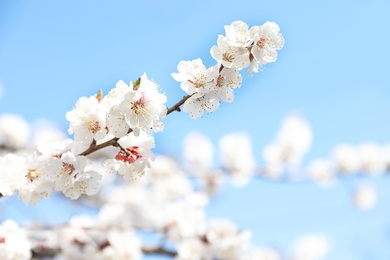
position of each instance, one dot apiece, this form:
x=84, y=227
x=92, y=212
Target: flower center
x=93, y=126
x=139, y=106
x=227, y=57
x=261, y=43
x=199, y=81
x=32, y=174
x=67, y=169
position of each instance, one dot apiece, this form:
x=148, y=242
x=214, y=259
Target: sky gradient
x=333, y=70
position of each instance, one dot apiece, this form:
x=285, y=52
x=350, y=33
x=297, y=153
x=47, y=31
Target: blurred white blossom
x=14, y=131
x=292, y=141
x=310, y=247
x=198, y=150
x=365, y=197
x=14, y=243
x=237, y=156
x=322, y=171
x=372, y=158
x=346, y=158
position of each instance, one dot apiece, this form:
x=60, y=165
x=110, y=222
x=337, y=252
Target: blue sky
x=333, y=70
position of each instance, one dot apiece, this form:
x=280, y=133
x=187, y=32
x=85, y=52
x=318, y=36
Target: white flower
x=135, y=159
x=226, y=79
x=12, y=169
x=310, y=247
x=87, y=120
x=82, y=221
x=122, y=245
x=165, y=167
x=346, y=158
x=372, y=158
x=115, y=96
x=33, y=176
x=167, y=180
x=47, y=134
x=365, y=197
x=39, y=178
x=86, y=183
x=55, y=149
x=237, y=156
x=75, y=179
x=194, y=76
x=230, y=56
x=292, y=142
x=14, y=244
x=268, y=41
x=185, y=218
x=238, y=35
x=273, y=170
x=116, y=122
x=14, y=131
x=142, y=108
x=193, y=248
x=295, y=136
x=226, y=240
x=322, y=171
x=197, y=104
x=116, y=215
x=198, y=150
x=76, y=243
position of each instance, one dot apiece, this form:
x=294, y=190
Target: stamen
x=93, y=126
x=32, y=174
x=67, y=169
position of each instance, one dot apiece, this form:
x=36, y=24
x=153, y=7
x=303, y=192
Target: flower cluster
x=292, y=142
x=125, y=120
x=164, y=203
x=138, y=107
x=243, y=47
x=37, y=176
x=240, y=48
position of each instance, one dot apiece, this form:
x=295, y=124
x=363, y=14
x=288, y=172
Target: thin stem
x=176, y=107
x=158, y=251
x=94, y=147
x=147, y=250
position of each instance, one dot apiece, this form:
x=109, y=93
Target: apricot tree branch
x=176, y=107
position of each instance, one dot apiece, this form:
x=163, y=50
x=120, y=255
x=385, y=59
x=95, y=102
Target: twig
x=158, y=251
x=94, y=147
x=176, y=107
x=147, y=250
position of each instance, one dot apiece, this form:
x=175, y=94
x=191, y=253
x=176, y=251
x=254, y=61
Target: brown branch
x=43, y=253
x=158, y=250
x=94, y=147
x=112, y=142
x=147, y=250
x=176, y=107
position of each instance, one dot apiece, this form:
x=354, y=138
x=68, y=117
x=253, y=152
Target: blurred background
x=333, y=71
